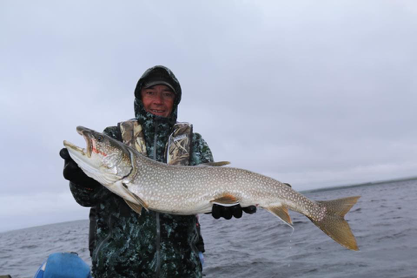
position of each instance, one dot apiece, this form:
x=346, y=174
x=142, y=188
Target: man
x=124, y=244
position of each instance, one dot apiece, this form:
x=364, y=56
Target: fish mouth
x=88, y=150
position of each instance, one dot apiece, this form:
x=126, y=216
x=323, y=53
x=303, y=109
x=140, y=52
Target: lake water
x=384, y=222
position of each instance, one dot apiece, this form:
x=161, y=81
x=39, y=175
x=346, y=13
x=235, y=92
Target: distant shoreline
x=45, y=225
x=357, y=185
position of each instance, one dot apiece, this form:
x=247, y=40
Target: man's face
x=158, y=100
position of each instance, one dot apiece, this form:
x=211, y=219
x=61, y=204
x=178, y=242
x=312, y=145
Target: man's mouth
x=154, y=111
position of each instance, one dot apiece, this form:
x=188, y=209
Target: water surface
x=384, y=222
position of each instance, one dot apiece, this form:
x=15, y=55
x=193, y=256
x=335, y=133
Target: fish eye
x=100, y=138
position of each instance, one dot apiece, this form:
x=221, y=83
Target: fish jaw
x=90, y=164
x=102, y=159
x=79, y=154
x=85, y=158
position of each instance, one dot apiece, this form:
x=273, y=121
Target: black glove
x=227, y=212
x=74, y=173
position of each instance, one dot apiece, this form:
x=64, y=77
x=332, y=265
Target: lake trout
x=184, y=190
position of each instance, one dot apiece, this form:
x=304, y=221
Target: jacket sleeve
x=200, y=152
x=88, y=197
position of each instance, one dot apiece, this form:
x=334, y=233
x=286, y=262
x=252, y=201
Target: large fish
x=185, y=190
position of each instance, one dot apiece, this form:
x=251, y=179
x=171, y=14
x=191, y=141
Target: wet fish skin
x=145, y=183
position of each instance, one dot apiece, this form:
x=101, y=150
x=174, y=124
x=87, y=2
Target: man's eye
x=168, y=95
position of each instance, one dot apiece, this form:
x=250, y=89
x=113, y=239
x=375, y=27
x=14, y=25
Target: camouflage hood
x=156, y=129
x=165, y=75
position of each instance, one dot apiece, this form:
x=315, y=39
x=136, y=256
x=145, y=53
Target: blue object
x=63, y=265
x=200, y=254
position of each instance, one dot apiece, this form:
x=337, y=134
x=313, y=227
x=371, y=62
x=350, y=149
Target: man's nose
x=158, y=98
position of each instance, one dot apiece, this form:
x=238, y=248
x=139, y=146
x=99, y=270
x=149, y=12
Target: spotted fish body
x=162, y=186
x=145, y=183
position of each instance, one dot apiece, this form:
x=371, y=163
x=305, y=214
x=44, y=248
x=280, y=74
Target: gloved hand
x=227, y=212
x=74, y=173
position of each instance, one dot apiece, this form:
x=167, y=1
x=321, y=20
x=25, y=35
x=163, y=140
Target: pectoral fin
x=281, y=212
x=140, y=204
x=137, y=208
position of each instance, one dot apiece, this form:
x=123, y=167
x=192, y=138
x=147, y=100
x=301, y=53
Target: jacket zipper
x=158, y=228
x=97, y=250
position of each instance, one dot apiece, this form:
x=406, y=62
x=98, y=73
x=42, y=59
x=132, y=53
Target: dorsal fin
x=216, y=164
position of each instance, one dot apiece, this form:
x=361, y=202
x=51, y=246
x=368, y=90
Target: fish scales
x=199, y=183
x=187, y=190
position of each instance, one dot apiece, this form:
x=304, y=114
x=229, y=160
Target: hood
x=165, y=75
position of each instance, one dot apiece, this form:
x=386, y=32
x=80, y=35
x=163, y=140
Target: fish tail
x=334, y=224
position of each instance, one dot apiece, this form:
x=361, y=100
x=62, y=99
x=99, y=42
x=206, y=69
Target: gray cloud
x=314, y=95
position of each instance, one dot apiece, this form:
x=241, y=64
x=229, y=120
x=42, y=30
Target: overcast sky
x=313, y=93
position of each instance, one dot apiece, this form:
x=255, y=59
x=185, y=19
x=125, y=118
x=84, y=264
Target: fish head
x=104, y=158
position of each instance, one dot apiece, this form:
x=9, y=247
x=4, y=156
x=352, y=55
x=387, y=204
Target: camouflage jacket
x=131, y=246
x=153, y=244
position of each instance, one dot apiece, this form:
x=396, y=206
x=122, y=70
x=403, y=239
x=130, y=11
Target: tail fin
x=334, y=224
